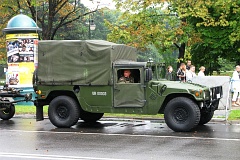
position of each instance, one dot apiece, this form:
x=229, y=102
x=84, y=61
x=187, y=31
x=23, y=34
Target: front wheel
x=181, y=114
x=8, y=112
x=63, y=112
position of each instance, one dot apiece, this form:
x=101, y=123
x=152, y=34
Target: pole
x=89, y=30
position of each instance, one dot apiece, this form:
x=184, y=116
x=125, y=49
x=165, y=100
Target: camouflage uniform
x=126, y=80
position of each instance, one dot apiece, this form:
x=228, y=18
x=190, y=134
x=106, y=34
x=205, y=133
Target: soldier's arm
x=121, y=80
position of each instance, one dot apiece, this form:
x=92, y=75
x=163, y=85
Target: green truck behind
x=78, y=79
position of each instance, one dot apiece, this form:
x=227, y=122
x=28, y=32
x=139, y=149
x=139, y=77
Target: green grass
x=223, y=73
x=234, y=115
x=21, y=109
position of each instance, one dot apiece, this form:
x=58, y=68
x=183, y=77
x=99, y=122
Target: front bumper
x=215, y=94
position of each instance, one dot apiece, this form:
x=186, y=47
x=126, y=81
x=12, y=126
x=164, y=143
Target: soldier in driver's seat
x=126, y=78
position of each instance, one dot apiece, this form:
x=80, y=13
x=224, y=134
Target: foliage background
x=170, y=31
x=207, y=32
x=59, y=19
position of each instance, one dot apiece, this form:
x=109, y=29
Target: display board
x=21, y=58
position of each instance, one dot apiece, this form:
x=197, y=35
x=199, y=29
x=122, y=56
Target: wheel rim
x=180, y=115
x=62, y=112
x=6, y=111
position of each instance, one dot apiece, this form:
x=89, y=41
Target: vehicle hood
x=180, y=85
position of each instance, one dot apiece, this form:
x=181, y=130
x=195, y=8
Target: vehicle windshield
x=159, y=71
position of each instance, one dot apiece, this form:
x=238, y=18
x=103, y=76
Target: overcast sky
x=92, y=4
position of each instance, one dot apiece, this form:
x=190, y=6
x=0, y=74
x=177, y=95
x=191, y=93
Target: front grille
x=216, y=92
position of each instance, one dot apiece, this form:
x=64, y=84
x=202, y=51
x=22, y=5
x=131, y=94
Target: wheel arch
x=56, y=93
x=174, y=95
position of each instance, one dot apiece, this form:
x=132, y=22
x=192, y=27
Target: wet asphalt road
x=115, y=139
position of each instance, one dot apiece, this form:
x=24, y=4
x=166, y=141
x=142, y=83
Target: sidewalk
x=235, y=108
x=222, y=115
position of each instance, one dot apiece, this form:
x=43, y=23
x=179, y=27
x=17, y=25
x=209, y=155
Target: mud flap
x=39, y=113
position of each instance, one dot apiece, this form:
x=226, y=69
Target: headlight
x=39, y=92
x=199, y=93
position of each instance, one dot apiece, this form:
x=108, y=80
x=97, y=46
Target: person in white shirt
x=190, y=73
x=236, y=86
x=201, y=71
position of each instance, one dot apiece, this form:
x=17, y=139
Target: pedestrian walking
x=190, y=73
x=169, y=75
x=189, y=63
x=236, y=86
x=201, y=71
x=181, y=73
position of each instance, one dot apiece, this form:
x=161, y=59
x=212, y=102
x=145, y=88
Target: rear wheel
x=63, y=111
x=181, y=114
x=8, y=112
x=90, y=117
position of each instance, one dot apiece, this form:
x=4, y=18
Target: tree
x=80, y=29
x=195, y=25
x=54, y=14
x=218, y=24
x=50, y=14
x=5, y=15
x=149, y=22
x=99, y=18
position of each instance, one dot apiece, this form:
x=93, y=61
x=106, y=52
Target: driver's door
x=129, y=94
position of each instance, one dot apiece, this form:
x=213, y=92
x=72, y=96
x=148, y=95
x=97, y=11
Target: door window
x=128, y=76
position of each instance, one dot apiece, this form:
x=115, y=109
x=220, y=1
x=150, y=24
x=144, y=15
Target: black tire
x=205, y=117
x=63, y=112
x=8, y=113
x=181, y=114
x=90, y=117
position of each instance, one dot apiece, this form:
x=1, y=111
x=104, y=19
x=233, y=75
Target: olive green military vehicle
x=79, y=80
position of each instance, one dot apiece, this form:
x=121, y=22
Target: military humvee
x=78, y=79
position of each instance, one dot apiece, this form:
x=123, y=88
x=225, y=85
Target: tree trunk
x=181, y=50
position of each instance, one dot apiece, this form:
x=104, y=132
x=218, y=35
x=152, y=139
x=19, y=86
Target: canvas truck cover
x=79, y=62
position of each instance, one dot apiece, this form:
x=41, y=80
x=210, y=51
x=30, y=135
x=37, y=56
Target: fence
x=225, y=82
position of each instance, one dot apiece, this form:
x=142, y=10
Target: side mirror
x=149, y=74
